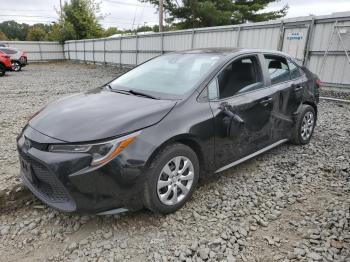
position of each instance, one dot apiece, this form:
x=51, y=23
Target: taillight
x=318, y=83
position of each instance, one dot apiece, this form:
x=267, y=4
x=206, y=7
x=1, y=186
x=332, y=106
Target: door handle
x=297, y=88
x=226, y=109
x=266, y=101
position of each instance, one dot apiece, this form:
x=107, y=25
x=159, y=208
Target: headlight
x=101, y=153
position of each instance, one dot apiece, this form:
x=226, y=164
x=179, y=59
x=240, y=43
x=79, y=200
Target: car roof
x=230, y=51
x=10, y=48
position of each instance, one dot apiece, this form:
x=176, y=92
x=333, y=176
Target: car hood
x=99, y=114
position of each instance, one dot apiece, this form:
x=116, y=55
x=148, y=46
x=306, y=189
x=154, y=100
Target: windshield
x=171, y=75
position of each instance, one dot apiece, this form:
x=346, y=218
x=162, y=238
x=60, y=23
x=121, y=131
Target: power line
x=27, y=10
x=123, y=3
x=31, y=21
x=39, y=16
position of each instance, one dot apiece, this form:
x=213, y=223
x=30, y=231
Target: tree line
x=80, y=19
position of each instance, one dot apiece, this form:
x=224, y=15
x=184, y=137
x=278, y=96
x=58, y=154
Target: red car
x=18, y=57
x=5, y=63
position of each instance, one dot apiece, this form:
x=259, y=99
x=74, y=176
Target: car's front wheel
x=171, y=179
x=304, y=126
x=16, y=66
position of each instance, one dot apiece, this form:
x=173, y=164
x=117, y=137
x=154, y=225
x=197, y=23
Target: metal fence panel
x=143, y=57
x=150, y=43
x=80, y=51
x=216, y=38
x=112, y=44
x=99, y=45
x=176, y=41
x=322, y=35
x=336, y=71
x=129, y=43
x=128, y=58
x=265, y=38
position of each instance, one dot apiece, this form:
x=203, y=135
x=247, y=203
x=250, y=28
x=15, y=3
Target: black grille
x=46, y=184
x=49, y=185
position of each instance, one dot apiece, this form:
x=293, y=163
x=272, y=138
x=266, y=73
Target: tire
x=16, y=66
x=2, y=70
x=304, y=126
x=159, y=195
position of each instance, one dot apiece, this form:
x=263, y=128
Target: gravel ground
x=290, y=204
x=339, y=93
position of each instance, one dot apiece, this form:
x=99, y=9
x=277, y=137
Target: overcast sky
x=126, y=14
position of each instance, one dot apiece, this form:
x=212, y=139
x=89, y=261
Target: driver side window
x=241, y=76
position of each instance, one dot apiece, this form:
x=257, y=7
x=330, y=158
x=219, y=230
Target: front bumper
x=66, y=182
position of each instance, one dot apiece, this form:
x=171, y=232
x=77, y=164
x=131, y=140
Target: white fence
x=38, y=51
x=305, y=38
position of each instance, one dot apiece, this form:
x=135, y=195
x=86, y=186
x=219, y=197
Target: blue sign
x=295, y=36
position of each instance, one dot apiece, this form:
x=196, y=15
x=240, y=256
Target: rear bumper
x=66, y=182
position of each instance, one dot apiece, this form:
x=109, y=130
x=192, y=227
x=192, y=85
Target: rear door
x=287, y=80
x=242, y=106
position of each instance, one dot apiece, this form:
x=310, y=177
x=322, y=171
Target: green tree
x=54, y=34
x=3, y=37
x=36, y=33
x=206, y=13
x=251, y=11
x=79, y=20
x=111, y=31
x=14, y=30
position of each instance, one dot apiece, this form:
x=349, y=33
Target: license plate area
x=27, y=171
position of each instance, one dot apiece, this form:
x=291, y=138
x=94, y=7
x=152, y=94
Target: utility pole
x=61, y=9
x=161, y=12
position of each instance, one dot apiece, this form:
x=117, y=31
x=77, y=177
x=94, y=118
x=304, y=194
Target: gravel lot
x=290, y=204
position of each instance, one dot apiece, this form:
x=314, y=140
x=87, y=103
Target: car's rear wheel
x=16, y=66
x=305, y=125
x=2, y=70
x=171, y=179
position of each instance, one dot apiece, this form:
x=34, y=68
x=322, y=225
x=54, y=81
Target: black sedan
x=144, y=139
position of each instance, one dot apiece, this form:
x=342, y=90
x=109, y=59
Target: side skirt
x=251, y=155
x=113, y=212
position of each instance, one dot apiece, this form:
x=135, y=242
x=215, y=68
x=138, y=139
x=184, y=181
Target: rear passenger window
x=278, y=69
x=9, y=51
x=294, y=70
x=243, y=75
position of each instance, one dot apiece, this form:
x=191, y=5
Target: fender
x=311, y=103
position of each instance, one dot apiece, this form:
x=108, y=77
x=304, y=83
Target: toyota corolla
x=144, y=139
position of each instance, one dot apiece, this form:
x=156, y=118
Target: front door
x=242, y=106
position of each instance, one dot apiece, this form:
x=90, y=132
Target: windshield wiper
x=131, y=92
x=140, y=93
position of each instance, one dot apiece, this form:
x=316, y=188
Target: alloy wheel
x=16, y=66
x=175, y=180
x=307, y=125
